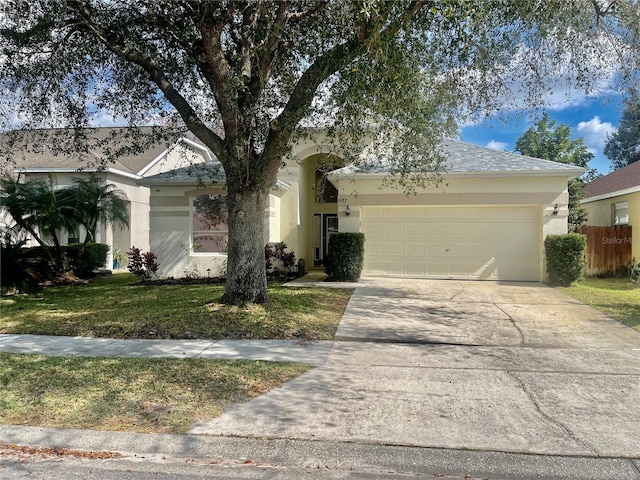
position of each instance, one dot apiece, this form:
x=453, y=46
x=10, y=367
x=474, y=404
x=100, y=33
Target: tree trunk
x=246, y=273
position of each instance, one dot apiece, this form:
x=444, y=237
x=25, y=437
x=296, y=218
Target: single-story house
x=36, y=154
x=614, y=199
x=486, y=221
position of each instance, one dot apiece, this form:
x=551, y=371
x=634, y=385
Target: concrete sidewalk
x=195, y=456
x=312, y=353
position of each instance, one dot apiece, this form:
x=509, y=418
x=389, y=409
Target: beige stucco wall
x=290, y=217
x=600, y=213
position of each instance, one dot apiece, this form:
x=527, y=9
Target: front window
x=621, y=213
x=209, y=220
x=325, y=191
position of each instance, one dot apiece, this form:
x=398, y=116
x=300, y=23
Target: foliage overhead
x=552, y=141
x=623, y=146
x=245, y=75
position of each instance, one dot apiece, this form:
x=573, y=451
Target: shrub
x=15, y=271
x=565, y=258
x=346, y=256
x=143, y=265
x=83, y=259
x=276, y=257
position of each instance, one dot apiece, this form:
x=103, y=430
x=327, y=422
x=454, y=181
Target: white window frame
x=192, y=250
x=620, y=213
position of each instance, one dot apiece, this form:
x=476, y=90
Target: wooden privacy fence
x=608, y=249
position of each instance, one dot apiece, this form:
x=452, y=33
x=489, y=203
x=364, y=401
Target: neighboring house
x=58, y=152
x=487, y=220
x=614, y=199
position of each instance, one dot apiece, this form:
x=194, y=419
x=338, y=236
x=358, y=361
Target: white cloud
x=494, y=145
x=595, y=132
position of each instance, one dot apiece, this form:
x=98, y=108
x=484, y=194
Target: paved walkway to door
x=513, y=367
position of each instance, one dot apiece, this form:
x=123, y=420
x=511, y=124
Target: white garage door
x=493, y=243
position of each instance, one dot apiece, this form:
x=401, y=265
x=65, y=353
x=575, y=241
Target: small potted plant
x=118, y=258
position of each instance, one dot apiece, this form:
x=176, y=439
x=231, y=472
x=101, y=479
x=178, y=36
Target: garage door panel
x=458, y=232
x=458, y=251
x=479, y=232
x=435, y=269
x=415, y=231
x=415, y=250
x=414, y=213
x=375, y=231
x=436, y=231
x=452, y=242
x=392, y=231
x=373, y=249
x=435, y=251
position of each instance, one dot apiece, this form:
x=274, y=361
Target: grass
x=140, y=395
x=617, y=297
x=114, y=307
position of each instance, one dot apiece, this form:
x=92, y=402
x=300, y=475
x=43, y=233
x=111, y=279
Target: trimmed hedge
x=84, y=259
x=25, y=268
x=346, y=256
x=565, y=258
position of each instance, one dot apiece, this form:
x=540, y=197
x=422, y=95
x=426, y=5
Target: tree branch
x=332, y=61
x=152, y=67
x=297, y=16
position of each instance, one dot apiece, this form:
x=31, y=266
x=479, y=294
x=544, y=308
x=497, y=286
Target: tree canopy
x=551, y=140
x=623, y=146
x=247, y=77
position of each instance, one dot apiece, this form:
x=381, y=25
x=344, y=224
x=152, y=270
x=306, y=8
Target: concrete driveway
x=512, y=367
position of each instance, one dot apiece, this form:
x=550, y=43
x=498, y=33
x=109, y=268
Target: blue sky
x=589, y=118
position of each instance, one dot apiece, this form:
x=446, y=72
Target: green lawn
x=140, y=395
x=617, y=297
x=149, y=395
x=115, y=307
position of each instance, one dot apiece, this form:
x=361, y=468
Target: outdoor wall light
x=347, y=211
x=555, y=209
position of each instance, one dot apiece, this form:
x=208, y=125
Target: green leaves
x=623, y=146
x=552, y=141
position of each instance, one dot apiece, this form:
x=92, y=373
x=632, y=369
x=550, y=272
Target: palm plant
x=42, y=210
x=98, y=203
x=19, y=200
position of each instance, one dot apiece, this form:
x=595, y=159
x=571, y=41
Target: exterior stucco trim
x=114, y=171
x=190, y=143
x=155, y=213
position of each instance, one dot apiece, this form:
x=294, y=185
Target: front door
x=327, y=225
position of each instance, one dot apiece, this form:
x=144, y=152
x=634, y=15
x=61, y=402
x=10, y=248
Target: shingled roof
x=208, y=172
x=622, y=179
x=466, y=158
x=125, y=149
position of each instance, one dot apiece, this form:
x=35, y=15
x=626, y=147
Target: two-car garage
x=465, y=242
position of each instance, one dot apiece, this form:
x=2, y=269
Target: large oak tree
x=247, y=77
